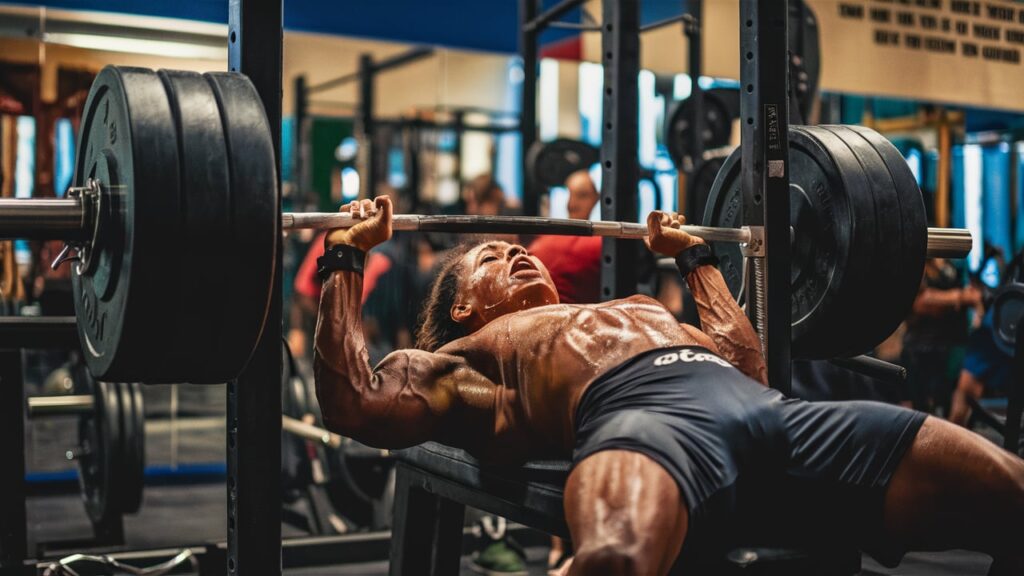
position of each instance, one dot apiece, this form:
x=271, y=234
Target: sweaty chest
x=541, y=360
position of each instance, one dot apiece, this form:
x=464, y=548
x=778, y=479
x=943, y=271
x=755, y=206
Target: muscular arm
x=401, y=402
x=725, y=323
x=936, y=302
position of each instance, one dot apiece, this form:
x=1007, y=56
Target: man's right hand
x=374, y=227
x=665, y=236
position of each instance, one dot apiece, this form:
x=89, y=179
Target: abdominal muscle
x=541, y=361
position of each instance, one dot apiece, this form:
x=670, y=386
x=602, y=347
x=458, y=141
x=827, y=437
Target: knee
x=1015, y=480
x=1007, y=484
x=606, y=559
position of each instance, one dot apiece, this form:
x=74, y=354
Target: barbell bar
x=78, y=404
x=68, y=219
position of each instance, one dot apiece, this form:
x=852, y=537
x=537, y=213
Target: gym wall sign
x=959, y=51
x=967, y=52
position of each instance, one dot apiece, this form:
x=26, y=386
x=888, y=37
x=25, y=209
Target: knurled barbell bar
x=68, y=219
x=173, y=217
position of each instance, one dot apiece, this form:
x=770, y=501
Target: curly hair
x=437, y=327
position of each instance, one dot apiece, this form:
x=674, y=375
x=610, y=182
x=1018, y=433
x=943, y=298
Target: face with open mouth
x=499, y=278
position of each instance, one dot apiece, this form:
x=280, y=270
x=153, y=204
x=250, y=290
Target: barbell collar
x=64, y=405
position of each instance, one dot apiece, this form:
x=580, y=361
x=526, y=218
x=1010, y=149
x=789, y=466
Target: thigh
x=954, y=489
x=623, y=502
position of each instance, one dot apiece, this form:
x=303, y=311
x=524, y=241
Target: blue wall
x=490, y=25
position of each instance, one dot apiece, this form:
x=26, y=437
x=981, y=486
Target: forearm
x=340, y=360
x=932, y=302
x=725, y=323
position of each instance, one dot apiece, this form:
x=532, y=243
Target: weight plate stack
x=900, y=249
x=850, y=320
x=913, y=218
x=205, y=233
x=549, y=164
x=255, y=220
x=856, y=261
x=721, y=107
x=128, y=143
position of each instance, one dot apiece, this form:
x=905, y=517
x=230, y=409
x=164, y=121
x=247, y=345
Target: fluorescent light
x=973, y=211
x=547, y=100
x=138, y=46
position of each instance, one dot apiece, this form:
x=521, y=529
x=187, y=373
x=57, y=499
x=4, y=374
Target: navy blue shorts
x=986, y=362
x=753, y=467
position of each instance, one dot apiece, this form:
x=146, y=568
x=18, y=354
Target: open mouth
x=522, y=267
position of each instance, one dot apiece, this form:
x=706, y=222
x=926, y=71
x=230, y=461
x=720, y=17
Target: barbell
x=67, y=219
x=173, y=222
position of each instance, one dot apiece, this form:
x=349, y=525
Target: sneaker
x=499, y=558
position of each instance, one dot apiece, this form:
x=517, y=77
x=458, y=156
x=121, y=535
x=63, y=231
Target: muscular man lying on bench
x=676, y=443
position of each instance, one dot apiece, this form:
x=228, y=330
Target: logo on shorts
x=687, y=355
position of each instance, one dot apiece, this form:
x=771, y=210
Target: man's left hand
x=665, y=236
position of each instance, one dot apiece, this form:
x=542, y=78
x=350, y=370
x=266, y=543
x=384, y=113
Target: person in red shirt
x=574, y=261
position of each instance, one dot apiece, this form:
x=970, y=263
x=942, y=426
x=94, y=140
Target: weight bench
x=435, y=483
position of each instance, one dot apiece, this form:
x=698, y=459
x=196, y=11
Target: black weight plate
x=1007, y=313
x=823, y=229
x=549, y=164
x=99, y=436
x=127, y=140
x=913, y=217
x=698, y=187
x=206, y=230
x=255, y=225
x=821, y=339
x=721, y=107
x=898, y=261
x=881, y=313
x=132, y=467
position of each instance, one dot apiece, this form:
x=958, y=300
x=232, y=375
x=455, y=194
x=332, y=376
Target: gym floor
x=180, y=515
